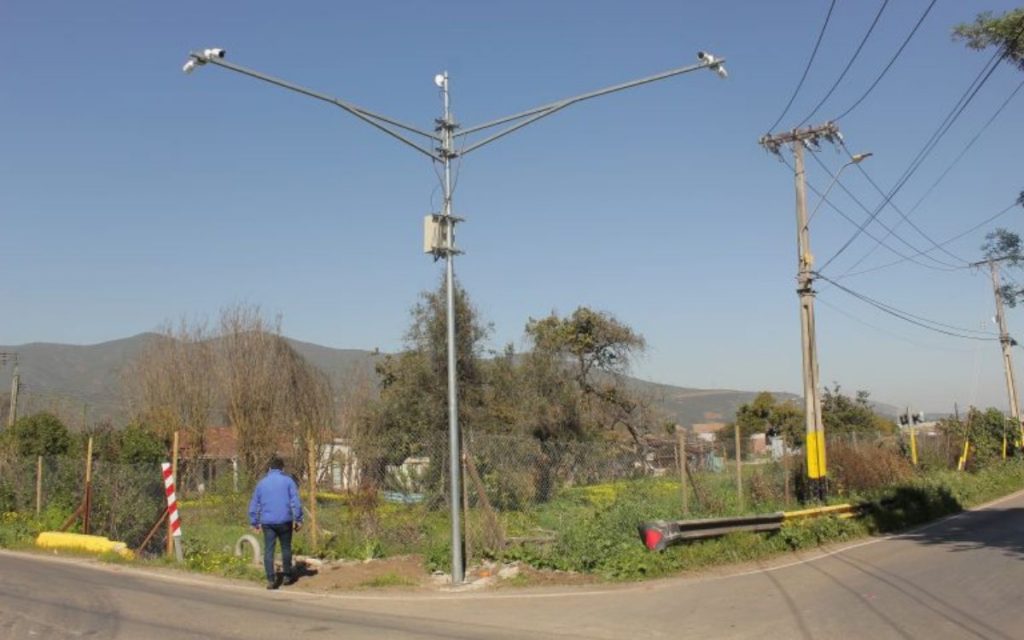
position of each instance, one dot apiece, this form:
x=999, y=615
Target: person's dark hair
x=276, y=463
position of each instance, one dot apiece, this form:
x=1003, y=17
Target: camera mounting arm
x=386, y=124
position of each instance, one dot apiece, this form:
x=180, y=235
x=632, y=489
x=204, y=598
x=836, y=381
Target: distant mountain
x=70, y=379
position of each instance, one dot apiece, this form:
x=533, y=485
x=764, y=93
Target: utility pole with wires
x=814, y=443
x=1006, y=342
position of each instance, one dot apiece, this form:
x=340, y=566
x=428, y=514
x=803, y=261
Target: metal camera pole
x=443, y=227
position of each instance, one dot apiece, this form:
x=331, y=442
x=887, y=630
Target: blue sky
x=131, y=194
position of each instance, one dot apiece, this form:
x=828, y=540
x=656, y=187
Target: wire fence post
x=739, y=468
x=39, y=485
x=681, y=454
x=87, y=503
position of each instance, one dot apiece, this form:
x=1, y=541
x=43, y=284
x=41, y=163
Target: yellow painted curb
x=82, y=542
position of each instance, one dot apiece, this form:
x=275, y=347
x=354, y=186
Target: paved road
x=960, y=578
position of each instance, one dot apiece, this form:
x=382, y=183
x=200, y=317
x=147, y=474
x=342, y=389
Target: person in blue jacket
x=276, y=510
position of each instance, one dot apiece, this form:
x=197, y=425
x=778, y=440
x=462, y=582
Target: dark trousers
x=272, y=533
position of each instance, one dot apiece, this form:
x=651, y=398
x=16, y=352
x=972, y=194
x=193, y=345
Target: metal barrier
x=659, y=534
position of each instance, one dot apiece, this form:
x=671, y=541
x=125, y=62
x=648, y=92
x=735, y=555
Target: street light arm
x=536, y=113
x=374, y=119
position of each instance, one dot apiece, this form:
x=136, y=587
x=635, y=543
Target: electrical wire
x=868, y=233
x=886, y=332
x=920, y=321
x=965, y=99
x=807, y=68
x=891, y=232
x=892, y=61
x=942, y=177
x=903, y=216
x=944, y=242
x=849, y=64
x=929, y=146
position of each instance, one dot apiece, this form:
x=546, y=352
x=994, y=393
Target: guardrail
x=659, y=534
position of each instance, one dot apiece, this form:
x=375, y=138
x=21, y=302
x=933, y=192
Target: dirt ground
x=408, y=573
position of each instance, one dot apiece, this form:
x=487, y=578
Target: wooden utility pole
x=739, y=467
x=817, y=472
x=39, y=485
x=1006, y=342
x=312, y=471
x=87, y=502
x=681, y=446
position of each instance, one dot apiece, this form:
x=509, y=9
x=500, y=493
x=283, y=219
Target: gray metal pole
x=454, y=453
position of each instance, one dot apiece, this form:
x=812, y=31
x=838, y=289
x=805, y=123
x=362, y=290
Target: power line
x=943, y=175
x=849, y=64
x=984, y=222
x=920, y=321
x=892, y=61
x=807, y=68
x=958, y=109
x=886, y=332
x=944, y=266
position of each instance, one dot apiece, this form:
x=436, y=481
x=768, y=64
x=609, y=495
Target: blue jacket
x=275, y=500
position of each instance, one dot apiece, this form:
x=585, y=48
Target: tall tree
x=768, y=415
x=171, y=387
x=596, y=351
x=411, y=413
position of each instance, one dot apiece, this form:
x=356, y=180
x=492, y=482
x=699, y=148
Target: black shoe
x=290, y=580
x=272, y=585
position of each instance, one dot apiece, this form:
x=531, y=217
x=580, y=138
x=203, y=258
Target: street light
x=856, y=158
x=441, y=148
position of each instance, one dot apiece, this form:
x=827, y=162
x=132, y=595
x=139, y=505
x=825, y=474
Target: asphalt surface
x=959, y=578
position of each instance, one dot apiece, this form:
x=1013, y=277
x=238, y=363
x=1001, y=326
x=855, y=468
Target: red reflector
x=651, y=538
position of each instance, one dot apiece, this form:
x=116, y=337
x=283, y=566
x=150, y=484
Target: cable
x=945, y=267
x=891, y=62
x=926, y=150
x=925, y=323
x=807, y=68
x=849, y=64
x=941, y=177
x=890, y=230
x=904, y=217
x=888, y=333
x=944, y=127
x=984, y=222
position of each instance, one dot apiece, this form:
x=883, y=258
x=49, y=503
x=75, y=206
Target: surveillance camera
x=214, y=53
x=190, y=66
x=706, y=57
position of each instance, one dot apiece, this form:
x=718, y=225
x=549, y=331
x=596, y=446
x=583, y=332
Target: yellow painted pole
x=913, y=445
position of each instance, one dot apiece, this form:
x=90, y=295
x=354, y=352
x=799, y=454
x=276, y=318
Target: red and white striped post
x=173, y=521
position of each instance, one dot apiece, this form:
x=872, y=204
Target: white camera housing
x=214, y=53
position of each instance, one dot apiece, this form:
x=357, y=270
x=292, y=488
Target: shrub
x=867, y=467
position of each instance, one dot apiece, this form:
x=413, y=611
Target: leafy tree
x=1005, y=246
x=1005, y=32
x=139, y=445
x=766, y=415
x=842, y=414
x=412, y=409
x=596, y=350
x=984, y=429
x=40, y=434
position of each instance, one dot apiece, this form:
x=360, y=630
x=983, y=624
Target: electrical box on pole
x=433, y=233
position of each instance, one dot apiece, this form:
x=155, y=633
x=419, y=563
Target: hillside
x=70, y=379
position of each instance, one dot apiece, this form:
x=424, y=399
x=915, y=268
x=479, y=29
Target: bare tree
x=171, y=386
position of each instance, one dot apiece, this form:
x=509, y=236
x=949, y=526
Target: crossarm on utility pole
x=545, y=110
x=373, y=119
